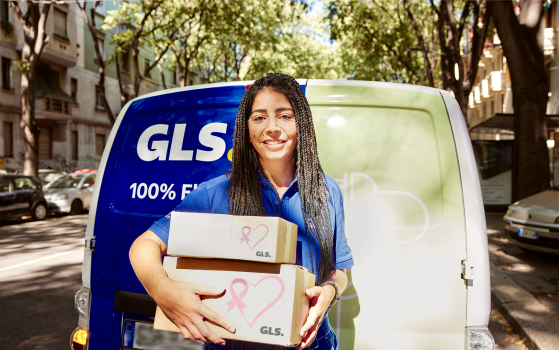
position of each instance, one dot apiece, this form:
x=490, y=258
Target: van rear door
x=391, y=149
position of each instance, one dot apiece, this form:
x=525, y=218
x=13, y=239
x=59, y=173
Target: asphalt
x=524, y=288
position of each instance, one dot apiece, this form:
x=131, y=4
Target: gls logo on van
x=158, y=149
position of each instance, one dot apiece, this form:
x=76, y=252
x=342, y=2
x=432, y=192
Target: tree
x=522, y=41
x=33, y=22
x=450, y=31
x=379, y=38
x=142, y=22
x=92, y=26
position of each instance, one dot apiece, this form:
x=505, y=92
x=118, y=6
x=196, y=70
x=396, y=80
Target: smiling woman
x=275, y=172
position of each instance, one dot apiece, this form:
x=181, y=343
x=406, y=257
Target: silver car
x=70, y=193
x=533, y=222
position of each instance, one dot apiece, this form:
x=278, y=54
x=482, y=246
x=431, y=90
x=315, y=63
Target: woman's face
x=272, y=128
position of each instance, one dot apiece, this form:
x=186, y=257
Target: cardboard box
x=255, y=238
x=266, y=303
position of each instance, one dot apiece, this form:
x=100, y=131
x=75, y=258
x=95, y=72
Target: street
x=40, y=271
x=40, y=266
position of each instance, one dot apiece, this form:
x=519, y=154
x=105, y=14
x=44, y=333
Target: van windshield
x=67, y=181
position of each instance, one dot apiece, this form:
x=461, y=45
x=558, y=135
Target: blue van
x=414, y=214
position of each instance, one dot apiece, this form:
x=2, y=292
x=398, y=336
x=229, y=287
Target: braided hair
x=244, y=196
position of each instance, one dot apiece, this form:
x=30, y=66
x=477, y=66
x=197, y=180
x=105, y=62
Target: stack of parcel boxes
x=253, y=259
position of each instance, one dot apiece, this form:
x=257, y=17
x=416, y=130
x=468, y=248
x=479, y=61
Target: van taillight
x=78, y=340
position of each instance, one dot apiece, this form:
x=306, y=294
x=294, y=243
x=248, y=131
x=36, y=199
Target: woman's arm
x=321, y=297
x=179, y=301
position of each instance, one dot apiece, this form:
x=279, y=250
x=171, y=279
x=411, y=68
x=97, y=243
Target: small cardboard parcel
x=265, y=302
x=255, y=238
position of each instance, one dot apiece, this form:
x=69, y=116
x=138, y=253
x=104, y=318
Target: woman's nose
x=272, y=127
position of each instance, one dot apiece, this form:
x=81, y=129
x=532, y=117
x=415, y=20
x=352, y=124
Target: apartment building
x=73, y=125
x=490, y=116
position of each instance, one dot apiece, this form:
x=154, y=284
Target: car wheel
x=39, y=212
x=76, y=207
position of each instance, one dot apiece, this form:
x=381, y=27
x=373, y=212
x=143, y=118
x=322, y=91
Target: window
x=174, y=74
x=74, y=89
x=8, y=139
x=146, y=67
x=492, y=103
x=90, y=181
x=191, y=82
x=5, y=15
x=6, y=73
x=99, y=144
x=5, y=184
x=74, y=144
x=124, y=61
x=23, y=183
x=45, y=144
x=60, y=23
x=98, y=101
x=100, y=9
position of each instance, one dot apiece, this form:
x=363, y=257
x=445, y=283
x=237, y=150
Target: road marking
x=48, y=257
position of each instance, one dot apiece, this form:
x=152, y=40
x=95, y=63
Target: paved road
x=538, y=273
x=40, y=271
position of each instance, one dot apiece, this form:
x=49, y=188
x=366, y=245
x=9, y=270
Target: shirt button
x=277, y=202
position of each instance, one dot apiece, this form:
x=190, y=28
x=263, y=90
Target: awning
x=47, y=83
x=502, y=122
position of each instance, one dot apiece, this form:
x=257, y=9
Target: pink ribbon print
x=246, y=231
x=238, y=302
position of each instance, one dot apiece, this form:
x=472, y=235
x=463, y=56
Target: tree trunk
x=33, y=24
x=28, y=126
x=137, y=75
x=523, y=49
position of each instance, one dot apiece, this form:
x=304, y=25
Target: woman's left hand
x=320, y=299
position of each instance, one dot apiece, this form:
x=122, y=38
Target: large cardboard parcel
x=255, y=238
x=265, y=302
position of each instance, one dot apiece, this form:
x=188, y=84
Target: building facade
x=73, y=124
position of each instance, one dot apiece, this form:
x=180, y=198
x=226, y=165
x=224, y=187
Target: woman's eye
x=286, y=116
x=258, y=118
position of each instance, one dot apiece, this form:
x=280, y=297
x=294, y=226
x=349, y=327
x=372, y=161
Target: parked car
x=533, y=222
x=70, y=193
x=414, y=214
x=21, y=196
x=48, y=175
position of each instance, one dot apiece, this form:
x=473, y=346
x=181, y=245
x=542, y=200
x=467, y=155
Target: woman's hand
x=320, y=299
x=181, y=302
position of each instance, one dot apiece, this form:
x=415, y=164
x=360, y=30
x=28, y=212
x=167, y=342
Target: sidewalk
x=524, y=288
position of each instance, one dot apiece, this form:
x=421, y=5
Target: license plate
x=522, y=232
x=140, y=335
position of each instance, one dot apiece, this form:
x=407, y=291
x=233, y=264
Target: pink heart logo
x=238, y=302
x=246, y=231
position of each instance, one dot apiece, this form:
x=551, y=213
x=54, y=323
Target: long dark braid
x=244, y=188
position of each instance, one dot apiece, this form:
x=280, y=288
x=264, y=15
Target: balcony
x=548, y=41
x=485, y=88
x=496, y=81
x=477, y=94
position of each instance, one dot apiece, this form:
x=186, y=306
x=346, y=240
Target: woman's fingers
x=185, y=333
x=201, y=289
x=195, y=333
x=206, y=332
x=216, y=318
x=311, y=335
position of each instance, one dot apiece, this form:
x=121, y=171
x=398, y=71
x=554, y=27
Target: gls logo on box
x=159, y=148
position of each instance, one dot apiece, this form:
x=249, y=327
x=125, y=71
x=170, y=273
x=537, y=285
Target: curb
x=527, y=316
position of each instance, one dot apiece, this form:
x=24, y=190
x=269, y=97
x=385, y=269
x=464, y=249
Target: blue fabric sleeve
x=343, y=258
x=196, y=201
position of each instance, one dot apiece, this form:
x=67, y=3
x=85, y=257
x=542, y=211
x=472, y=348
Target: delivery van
x=415, y=223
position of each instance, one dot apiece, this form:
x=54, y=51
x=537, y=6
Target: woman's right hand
x=182, y=303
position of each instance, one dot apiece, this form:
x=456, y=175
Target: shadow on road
x=37, y=312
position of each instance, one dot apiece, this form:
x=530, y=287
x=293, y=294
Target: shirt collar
x=264, y=182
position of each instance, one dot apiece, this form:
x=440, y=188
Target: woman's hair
x=244, y=187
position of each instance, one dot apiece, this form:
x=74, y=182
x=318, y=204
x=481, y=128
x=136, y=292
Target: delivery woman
x=275, y=172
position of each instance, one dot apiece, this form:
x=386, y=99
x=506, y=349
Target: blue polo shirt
x=211, y=197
